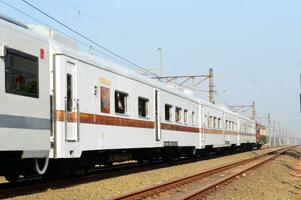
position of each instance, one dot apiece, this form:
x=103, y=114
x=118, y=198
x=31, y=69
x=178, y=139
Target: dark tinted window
x=142, y=107
x=178, y=114
x=121, y=101
x=21, y=74
x=168, y=112
x=69, y=93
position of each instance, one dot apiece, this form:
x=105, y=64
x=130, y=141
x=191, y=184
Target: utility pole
x=286, y=137
x=211, y=86
x=269, y=127
x=161, y=61
x=279, y=134
x=274, y=136
x=253, y=111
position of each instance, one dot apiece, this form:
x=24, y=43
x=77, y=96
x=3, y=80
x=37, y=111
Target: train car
x=69, y=110
x=261, y=135
x=247, y=132
x=24, y=93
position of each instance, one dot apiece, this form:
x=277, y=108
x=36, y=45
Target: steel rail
x=159, y=188
x=197, y=194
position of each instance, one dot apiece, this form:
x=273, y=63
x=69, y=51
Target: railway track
x=197, y=185
x=36, y=185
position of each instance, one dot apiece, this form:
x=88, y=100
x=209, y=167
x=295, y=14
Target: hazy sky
x=254, y=46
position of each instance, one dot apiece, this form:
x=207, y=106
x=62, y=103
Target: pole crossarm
x=236, y=108
x=183, y=82
x=167, y=77
x=243, y=106
x=184, y=79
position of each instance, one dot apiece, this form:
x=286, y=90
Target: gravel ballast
x=278, y=179
x=110, y=187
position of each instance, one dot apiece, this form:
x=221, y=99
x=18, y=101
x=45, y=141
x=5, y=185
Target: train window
x=69, y=93
x=178, y=115
x=185, y=116
x=168, y=112
x=143, y=107
x=121, y=102
x=192, y=118
x=21, y=74
x=105, y=99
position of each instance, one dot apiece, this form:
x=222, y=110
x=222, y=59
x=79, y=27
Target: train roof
x=62, y=44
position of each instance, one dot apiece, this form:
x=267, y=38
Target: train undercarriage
x=14, y=168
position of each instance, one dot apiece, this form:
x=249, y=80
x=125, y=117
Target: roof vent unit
x=47, y=32
x=171, y=86
x=188, y=92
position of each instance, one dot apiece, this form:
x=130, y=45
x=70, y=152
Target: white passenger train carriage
x=65, y=105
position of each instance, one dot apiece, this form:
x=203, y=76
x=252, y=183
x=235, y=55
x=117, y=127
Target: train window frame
x=8, y=67
x=170, y=108
x=178, y=115
x=186, y=116
x=126, y=103
x=146, y=101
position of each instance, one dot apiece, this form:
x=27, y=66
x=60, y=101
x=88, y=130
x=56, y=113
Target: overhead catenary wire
x=88, y=39
x=121, y=33
x=109, y=27
x=45, y=24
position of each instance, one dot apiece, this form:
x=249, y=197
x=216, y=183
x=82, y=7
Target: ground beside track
x=109, y=187
x=278, y=179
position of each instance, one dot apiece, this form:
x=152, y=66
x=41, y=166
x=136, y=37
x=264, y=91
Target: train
x=65, y=110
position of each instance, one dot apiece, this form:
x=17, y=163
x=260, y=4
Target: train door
x=157, y=116
x=71, y=104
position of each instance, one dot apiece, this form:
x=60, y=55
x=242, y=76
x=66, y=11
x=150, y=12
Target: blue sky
x=253, y=46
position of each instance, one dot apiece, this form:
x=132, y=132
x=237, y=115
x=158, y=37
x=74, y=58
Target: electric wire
x=80, y=12
x=88, y=39
x=130, y=38
x=52, y=28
